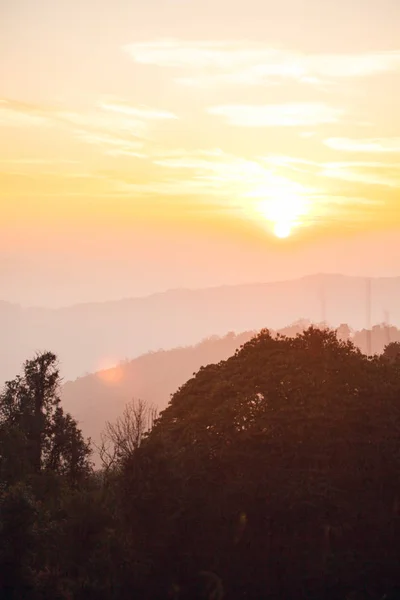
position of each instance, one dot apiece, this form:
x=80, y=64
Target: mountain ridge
x=89, y=337
x=189, y=290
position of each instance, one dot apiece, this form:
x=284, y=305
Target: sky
x=155, y=144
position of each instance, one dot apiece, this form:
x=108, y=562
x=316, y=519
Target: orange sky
x=149, y=145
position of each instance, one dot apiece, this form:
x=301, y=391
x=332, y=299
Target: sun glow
x=280, y=202
x=283, y=211
x=282, y=229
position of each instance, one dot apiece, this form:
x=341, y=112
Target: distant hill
x=89, y=337
x=154, y=377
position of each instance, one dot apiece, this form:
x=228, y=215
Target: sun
x=282, y=229
x=283, y=212
x=281, y=203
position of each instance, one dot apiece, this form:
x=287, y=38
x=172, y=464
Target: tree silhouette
x=46, y=438
x=120, y=439
x=277, y=470
x=392, y=351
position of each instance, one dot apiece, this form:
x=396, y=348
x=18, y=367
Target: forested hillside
x=272, y=474
x=153, y=377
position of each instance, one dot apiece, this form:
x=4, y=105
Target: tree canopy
x=34, y=428
x=273, y=474
x=276, y=468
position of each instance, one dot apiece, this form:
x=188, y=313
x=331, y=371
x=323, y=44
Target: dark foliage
x=278, y=471
x=274, y=474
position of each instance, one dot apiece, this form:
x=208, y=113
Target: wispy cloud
x=249, y=186
x=367, y=173
x=363, y=172
x=34, y=162
x=278, y=115
x=111, y=145
x=45, y=182
x=347, y=210
x=140, y=112
x=372, y=145
x=275, y=188
x=117, y=128
x=218, y=173
x=222, y=174
x=289, y=163
x=241, y=62
x=182, y=54
x=100, y=121
x=19, y=114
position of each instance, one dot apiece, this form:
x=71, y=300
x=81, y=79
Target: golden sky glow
x=256, y=127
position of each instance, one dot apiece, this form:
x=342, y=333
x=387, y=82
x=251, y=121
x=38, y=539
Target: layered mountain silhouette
x=153, y=377
x=100, y=397
x=89, y=337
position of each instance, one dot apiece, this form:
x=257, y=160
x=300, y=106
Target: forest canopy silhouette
x=153, y=377
x=273, y=474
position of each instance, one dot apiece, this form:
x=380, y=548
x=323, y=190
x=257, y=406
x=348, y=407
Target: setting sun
x=284, y=210
x=282, y=229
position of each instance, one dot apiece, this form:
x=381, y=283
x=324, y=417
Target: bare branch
x=121, y=438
